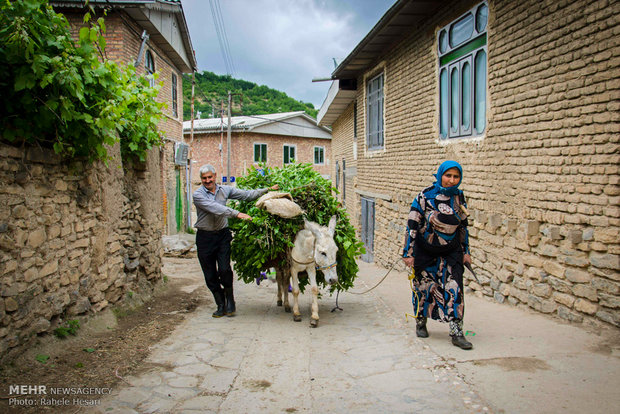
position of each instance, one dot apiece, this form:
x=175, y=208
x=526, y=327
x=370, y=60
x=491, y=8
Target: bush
x=263, y=242
x=66, y=97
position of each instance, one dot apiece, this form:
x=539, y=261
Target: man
x=213, y=236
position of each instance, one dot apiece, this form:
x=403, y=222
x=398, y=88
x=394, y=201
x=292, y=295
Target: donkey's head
x=325, y=248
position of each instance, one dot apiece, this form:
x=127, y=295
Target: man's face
x=208, y=180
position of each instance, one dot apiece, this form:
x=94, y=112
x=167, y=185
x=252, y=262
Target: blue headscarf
x=449, y=191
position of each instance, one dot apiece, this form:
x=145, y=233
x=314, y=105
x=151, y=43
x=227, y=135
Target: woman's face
x=450, y=178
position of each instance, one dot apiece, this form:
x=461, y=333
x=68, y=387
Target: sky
x=282, y=44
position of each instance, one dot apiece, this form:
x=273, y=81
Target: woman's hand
x=409, y=261
x=243, y=216
x=466, y=258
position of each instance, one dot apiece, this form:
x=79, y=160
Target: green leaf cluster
x=248, y=98
x=264, y=241
x=67, y=96
x=69, y=328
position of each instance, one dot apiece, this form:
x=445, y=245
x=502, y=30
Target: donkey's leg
x=283, y=278
x=295, y=283
x=314, y=320
x=279, y=281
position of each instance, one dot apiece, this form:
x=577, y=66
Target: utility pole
x=228, y=145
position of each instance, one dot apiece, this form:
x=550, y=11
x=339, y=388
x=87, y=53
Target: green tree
x=248, y=99
x=68, y=97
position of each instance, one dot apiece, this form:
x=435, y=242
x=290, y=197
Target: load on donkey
x=269, y=240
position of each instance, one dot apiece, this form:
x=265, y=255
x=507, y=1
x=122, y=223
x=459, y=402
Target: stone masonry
x=74, y=238
x=543, y=183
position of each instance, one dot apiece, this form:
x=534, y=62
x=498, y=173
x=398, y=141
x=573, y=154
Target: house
x=152, y=35
x=272, y=139
x=524, y=94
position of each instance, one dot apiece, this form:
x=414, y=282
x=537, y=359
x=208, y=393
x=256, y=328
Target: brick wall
x=543, y=183
x=205, y=150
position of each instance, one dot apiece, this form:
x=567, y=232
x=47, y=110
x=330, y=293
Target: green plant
x=263, y=242
x=130, y=294
x=69, y=97
x=190, y=230
x=42, y=358
x=69, y=328
x=165, y=279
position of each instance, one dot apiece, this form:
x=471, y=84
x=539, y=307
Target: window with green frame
x=289, y=154
x=462, y=47
x=319, y=155
x=260, y=152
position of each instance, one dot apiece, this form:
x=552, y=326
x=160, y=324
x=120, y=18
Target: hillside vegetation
x=248, y=98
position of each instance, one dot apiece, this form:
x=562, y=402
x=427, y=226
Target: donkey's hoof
x=314, y=323
x=279, y=303
x=297, y=318
x=287, y=309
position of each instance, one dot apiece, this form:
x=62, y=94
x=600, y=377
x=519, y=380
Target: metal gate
x=368, y=228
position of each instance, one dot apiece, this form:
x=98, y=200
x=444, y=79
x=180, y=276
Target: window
x=175, y=108
x=374, y=96
x=462, y=47
x=260, y=153
x=149, y=66
x=289, y=154
x=319, y=155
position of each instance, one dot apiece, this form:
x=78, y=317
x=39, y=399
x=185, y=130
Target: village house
x=75, y=237
x=272, y=139
x=154, y=37
x=524, y=94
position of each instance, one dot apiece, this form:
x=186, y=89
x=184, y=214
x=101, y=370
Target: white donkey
x=314, y=249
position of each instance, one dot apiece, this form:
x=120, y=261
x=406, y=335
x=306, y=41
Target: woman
x=437, y=246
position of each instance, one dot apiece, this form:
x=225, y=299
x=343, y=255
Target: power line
x=218, y=21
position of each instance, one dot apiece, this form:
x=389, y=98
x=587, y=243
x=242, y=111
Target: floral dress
x=437, y=238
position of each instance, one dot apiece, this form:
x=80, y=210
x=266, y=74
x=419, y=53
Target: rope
x=360, y=293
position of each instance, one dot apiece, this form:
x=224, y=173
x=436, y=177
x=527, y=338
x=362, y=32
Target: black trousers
x=214, y=257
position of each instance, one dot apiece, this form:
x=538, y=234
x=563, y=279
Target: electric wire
x=220, y=30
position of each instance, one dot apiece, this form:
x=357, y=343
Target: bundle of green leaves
x=264, y=241
x=69, y=97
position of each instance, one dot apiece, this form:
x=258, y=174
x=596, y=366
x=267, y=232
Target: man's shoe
x=461, y=342
x=219, y=301
x=230, y=302
x=421, y=331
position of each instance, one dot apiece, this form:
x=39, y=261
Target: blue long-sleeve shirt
x=211, y=209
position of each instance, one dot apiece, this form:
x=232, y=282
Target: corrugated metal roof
x=251, y=122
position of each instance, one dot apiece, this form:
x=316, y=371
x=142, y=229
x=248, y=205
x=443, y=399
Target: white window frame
x=175, y=95
x=375, y=99
x=149, y=66
x=462, y=112
x=322, y=154
x=254, y=151
x=289, y=146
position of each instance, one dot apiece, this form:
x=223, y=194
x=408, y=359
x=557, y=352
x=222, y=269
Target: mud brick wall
x=543, y=183
x=73, y=238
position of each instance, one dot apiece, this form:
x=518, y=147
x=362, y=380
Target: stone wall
x=74, y=239
x=543, y=183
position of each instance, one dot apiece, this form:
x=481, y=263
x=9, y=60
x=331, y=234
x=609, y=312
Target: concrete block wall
x=543, y=182
x=74, y=238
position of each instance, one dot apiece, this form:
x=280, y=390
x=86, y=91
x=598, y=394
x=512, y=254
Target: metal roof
x=253, y=122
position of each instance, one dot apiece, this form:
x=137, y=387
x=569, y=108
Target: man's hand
x=274, y=187
x=243, y=216
x=409, y=261
x=466, y=258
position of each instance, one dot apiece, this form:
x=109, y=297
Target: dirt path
x=107, y=347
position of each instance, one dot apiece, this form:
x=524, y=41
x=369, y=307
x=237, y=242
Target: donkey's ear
x=313, y=227
x=332, y=225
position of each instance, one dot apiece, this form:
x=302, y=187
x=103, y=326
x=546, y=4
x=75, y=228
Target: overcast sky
x=282, y=44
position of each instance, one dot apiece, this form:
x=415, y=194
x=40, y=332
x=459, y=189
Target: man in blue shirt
x=213, y=236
